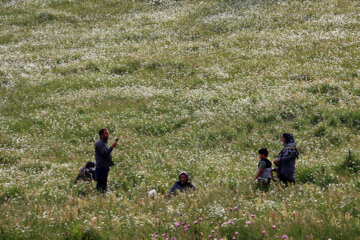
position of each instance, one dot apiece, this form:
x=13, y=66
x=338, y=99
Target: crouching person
x=182, y=185
x=86, y=173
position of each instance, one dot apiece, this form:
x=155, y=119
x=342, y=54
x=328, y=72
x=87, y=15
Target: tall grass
x=186, y=85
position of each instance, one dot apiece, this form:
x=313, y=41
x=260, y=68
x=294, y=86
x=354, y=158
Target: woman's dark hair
x=90, y=165
x=288, y=138
x=101, y=132
x=264, y=151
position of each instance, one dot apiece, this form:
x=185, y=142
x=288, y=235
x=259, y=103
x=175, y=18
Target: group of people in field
x=284, y=163
x=284, y=166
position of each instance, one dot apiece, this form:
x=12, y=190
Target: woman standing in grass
x=285, y=161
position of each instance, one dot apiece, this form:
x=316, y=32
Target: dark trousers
x=285, y=180
x=101, y=175
x=263, y=184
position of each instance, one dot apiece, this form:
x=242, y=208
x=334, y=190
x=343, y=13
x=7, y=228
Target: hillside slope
x=186, y=85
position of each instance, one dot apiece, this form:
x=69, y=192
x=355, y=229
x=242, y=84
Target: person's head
x=287, y=138
x=183, y=177
x=90, y=165
x=263, y=153
x=104, y=134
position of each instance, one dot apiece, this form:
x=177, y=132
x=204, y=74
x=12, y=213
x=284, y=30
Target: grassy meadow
x=186, y=85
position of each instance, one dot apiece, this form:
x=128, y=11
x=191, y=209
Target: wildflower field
x=186, y=85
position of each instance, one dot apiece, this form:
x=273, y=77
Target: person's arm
x=259, y=173
x=101, y=147
x=272, y=176
x=172, y=191
x=288, y=155
x=192, y=186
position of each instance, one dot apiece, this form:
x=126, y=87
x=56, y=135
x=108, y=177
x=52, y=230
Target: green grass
x=186, y=85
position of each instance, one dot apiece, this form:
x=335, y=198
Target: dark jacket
x=287, y=156
x=103, y=154
x=182, y=187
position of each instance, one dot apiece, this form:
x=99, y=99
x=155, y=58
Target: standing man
x=103, y=159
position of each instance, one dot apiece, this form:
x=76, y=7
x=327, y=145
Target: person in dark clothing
x=86, y=173
x=264, y=170
x=103, y=160
x=285, y=162
x=182, y=185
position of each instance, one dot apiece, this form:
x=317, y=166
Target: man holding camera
x=103, y=159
